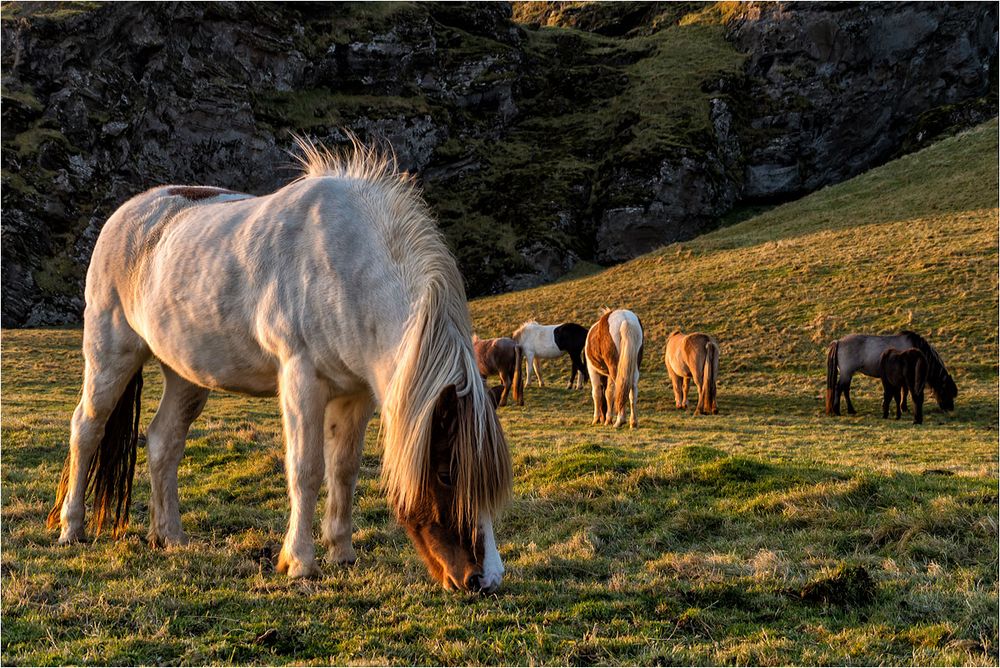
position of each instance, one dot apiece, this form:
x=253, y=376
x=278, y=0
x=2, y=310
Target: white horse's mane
x=435, y=350
x=526, y=323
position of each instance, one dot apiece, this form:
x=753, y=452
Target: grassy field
x=768, y=534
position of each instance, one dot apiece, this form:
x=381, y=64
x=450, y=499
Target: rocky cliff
x=570, y=131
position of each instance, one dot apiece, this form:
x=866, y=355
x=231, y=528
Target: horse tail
x=628, y=363
x=518, y=377
x=113, y=467
x=709, y=374
x=831, y=375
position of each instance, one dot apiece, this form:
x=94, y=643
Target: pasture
x=768, y=534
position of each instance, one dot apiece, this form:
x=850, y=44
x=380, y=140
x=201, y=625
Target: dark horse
x=903, y=371
x=863, y=352
x=501, y=356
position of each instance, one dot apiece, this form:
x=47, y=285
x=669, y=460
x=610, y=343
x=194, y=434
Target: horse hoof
x=165, y=540
x=341, y=557
x=69, y=536
x=296, y=568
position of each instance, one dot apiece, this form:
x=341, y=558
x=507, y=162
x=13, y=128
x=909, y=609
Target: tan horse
x=614, y=354
x=693, y=356
x=501, y=356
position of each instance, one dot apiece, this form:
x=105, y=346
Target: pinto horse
x=501, y=356
x=693, y=356
x=862, y=352
x=337, y=294
x=614, y=355
x=541, y=342
x=901, y=372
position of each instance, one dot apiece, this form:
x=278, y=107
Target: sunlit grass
x=688, y=540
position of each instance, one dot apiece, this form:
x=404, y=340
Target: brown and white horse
x=337, y=294
x=693, y=356
x=501, y=356
x=614, y=354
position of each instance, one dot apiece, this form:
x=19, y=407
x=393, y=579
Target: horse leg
x=847, y=397
x=597, y=392
x=633, y=398
x=918, y=409
x=609, y=400
x=538, y=371
x=904, y=391
x=886, y=400
x=346, y=419
x=897, y=397
x=112, y=356
x=686, y=384
x=181, y=404
x=529, y=358
x=303, y=403
x=507, y=384
x=675, y=380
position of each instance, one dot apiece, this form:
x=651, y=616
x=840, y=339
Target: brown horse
x=501, y=356
x=902, y=372
x=693, y=356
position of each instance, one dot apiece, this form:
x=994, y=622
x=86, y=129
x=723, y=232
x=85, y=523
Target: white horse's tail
x=628, y=363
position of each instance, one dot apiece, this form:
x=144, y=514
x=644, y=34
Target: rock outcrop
x=536, y=147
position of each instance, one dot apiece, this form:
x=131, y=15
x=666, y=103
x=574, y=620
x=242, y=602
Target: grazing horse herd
x=338, y=295
x=613, y=347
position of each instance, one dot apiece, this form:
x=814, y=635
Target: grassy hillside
x=768, y=534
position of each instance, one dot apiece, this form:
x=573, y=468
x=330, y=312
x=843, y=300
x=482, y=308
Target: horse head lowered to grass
x=337, y=294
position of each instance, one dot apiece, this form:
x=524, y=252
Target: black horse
x=571, y=338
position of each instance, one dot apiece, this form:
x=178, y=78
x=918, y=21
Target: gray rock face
x=836, y=88
x=101, y=104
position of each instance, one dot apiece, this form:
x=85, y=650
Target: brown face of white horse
x=454, y=557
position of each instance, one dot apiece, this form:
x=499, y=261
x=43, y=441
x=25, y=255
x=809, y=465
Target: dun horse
x=502, y=357
x=902, y=372
x=614, y=355
x=862, y=352
x=693, y=356
x=542, y=342
x=337, y=294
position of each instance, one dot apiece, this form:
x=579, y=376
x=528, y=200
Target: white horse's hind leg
x=538, y=371
x=303, y=402
x=346, y=420
x=597, y=392
x=181, y=404
x=609, y=400
x=112, y=354
x=529, y=359
x=633, y=396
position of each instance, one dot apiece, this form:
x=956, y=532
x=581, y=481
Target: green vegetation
x=768, y=534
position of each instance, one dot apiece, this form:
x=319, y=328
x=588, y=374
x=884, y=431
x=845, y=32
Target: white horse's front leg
x=303, y=401
x=529, y=359
x=538, y=371
x=346, y=420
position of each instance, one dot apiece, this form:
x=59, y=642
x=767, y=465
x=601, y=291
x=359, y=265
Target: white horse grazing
x=542, y=342
x=614, y=355
x=337, y=294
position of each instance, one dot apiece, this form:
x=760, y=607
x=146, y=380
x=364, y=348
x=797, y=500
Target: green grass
x=737, y=538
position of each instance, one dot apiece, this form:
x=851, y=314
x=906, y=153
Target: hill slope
x=768, y=534
x=911, y=244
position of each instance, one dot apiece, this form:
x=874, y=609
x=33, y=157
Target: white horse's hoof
x=341, y=556
x=296, y=568
x=70, y=535
x=167, y=539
